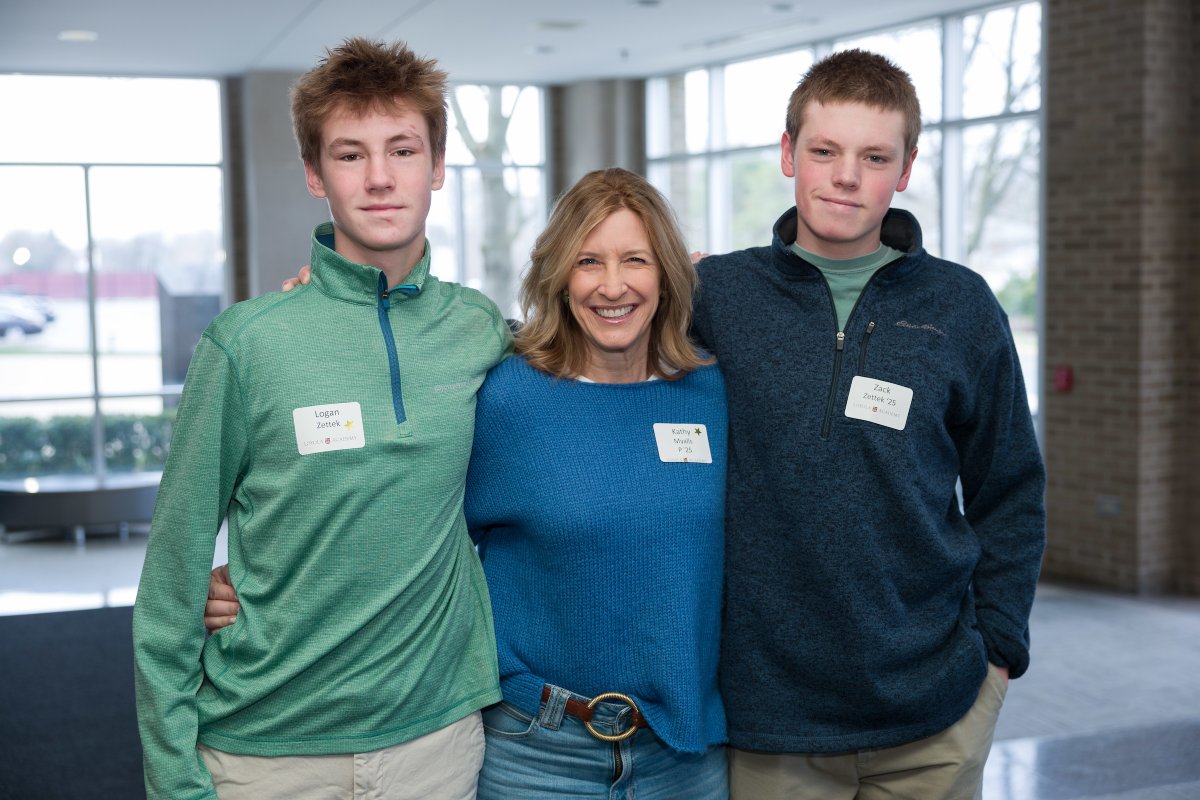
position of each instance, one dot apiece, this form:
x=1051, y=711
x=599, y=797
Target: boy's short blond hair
x=857, y=76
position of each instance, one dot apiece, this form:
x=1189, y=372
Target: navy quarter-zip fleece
x=862, y=605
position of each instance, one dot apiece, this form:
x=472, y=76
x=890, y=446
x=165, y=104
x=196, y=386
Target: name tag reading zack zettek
x=337, y=426
x=682, y=441
x=879, y=401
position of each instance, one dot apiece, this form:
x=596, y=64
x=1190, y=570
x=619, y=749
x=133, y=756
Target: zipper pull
x=841, y=341
x=862, y=353
x=383, y=292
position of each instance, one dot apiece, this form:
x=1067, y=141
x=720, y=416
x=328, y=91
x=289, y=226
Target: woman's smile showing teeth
x=619, y=312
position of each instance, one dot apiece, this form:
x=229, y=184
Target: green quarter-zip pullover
x=331, y=425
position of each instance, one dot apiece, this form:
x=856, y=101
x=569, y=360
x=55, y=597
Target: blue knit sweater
x=862, y=606
x=604, y=562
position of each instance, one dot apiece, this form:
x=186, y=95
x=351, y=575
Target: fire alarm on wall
x=1064, y=378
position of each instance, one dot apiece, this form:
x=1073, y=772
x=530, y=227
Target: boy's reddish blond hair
x=360, y=76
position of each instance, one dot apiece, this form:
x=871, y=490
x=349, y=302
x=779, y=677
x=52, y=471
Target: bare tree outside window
x=504, y=209
x=1002, y=77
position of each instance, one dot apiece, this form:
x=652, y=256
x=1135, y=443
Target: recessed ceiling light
x=78, y=36
x=559, y=24
x=646, y=3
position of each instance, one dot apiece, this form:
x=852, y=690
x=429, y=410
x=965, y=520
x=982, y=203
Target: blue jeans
x=553, y=756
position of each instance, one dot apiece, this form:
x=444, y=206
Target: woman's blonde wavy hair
x=550, y=339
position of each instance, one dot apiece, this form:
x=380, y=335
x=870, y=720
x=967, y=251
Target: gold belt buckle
x=613, y=737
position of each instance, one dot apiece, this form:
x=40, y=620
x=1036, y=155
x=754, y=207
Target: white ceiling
x=533, y=41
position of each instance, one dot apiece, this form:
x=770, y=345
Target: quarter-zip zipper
x=389, y=341
x=862, y=352
x=837, y=358
x=840, y=346
x=837, y=372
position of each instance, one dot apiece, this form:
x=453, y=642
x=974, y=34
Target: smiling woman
x=606, y=391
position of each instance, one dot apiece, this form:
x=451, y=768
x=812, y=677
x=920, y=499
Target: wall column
x=1122, y=294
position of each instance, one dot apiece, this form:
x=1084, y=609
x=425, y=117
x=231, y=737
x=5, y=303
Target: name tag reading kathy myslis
x=682, y=441
x=337, y=426
x=879, y=401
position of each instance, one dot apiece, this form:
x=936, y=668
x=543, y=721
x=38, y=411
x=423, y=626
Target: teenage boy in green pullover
x=331, y=426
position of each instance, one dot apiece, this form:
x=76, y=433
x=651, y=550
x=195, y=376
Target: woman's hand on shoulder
x=302, y=278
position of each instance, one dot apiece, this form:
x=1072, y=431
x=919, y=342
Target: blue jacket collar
x=900, y=230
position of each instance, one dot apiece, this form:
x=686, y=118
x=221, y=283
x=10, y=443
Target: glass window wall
x=112, y=261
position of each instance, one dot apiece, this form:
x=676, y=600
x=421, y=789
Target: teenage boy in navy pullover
x=871, y=624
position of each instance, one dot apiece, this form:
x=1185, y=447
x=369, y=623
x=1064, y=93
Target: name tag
x=880, y=402
x=320, y=429
x=682, y=441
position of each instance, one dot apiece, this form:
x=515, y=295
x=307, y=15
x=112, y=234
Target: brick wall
x=1121, y=292
x=1189, y=541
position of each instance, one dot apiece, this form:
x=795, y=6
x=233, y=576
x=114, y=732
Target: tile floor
x=1110, y=709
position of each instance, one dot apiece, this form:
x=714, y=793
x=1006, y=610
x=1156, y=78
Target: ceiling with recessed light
x=535, y=41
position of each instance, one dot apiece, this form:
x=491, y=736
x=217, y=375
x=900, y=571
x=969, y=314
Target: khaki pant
x=443, y=765
x=945, y=766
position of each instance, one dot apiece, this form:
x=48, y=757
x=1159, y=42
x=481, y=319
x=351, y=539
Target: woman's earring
x=566, y=298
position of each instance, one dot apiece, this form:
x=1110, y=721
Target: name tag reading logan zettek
x=682, y=441
x=337, y=426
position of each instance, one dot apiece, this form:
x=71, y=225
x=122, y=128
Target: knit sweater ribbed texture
x=364, y=616
x=603, y=561
x=862, y=606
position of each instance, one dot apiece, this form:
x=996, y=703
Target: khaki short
x=945, y=766
x=443, y=765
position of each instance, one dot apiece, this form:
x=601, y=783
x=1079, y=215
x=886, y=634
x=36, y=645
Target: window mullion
x=98, y=461
x=720, y=212
x=952, y=188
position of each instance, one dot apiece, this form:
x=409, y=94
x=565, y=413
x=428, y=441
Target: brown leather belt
x=584, y=712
